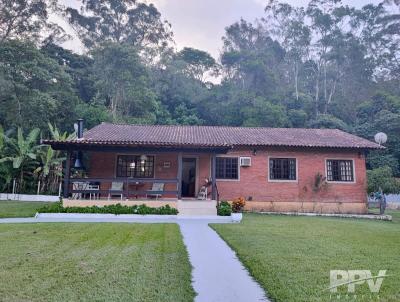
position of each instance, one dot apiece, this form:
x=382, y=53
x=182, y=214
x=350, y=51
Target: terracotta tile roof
x=216, y=136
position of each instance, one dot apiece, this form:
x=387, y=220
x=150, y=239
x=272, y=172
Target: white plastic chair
x=117, y=188
x=157, y=187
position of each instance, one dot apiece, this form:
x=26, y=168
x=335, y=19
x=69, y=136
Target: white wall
x=26, y=197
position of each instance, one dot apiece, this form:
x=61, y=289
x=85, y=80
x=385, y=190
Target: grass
x=9, y=209
x=291, y=257
x=93, y=262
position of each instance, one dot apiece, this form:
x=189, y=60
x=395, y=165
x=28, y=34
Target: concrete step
x=203, y=207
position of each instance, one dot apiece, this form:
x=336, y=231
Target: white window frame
x=283, y=180
x=340, y=182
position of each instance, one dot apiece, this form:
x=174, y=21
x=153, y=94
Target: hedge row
x=116, y=209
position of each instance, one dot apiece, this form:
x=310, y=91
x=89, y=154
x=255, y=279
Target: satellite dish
x=76, y=128
x=380, y=138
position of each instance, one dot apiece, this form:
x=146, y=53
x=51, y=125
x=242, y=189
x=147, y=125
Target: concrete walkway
x=217, y=276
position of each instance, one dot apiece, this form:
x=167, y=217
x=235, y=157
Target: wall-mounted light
x=254, y=152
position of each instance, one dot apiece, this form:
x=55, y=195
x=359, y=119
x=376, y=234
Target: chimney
x=80, y=128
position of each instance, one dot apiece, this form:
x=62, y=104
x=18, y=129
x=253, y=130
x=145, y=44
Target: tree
x=382, y=179
x=252, y=59
x=198, y=63
x=36, y=89
x=122, y=84
x=22, y=153
x=28, y=19
x=128, y=21
x=293, y=33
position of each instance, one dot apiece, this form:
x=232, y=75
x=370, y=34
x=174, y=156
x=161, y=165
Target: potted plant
x=237, y=209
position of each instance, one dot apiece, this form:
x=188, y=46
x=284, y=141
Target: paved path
x=218, y=275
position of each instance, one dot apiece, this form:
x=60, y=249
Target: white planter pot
x=237, y=217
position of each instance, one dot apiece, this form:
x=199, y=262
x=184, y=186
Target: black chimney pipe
x=80, y=128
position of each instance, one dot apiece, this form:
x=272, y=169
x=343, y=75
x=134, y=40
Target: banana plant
x=23, y=152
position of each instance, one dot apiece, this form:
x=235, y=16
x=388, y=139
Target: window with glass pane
x=339, y=170
x=134, y=166
x=227, y=168
x=282, y=168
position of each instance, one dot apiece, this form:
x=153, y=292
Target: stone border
x=133, y=217
x=358, y=216
x=27, y=197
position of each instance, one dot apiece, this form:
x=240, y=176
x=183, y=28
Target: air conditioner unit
x=245, y=161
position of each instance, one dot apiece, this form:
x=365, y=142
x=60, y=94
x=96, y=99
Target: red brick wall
x=253, y=182
x=102, y=164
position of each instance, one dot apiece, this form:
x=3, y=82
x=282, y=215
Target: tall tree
x=287, y=24
x=127, y=21
x=29, y=19
x=122, y=83
x=198, y=64
x=36, y=89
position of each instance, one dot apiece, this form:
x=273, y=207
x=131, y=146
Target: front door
x=189, y=177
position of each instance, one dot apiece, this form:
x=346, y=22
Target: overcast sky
x=201, y=23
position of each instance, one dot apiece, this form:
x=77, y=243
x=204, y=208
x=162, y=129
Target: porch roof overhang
x=102, y=146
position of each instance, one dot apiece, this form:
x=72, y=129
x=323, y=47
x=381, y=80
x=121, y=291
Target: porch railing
x=126, y=192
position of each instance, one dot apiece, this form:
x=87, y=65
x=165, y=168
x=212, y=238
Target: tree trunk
x=296, y=80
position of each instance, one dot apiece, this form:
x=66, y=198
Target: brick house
x=275, y=169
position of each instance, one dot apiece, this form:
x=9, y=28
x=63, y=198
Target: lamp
x=143, y=159
x=78, y=161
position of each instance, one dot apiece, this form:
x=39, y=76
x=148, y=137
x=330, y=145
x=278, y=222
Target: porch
x=136, y=176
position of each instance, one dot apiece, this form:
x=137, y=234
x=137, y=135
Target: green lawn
x=291, y=257
x=19, y=208
x=93, y=262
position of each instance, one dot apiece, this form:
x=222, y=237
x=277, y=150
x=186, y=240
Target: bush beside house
x=116, y=209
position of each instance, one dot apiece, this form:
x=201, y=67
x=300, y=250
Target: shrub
x=238, y=205
x=116, y=209
x=382, y=178
x=224, y=209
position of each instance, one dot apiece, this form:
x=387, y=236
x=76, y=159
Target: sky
x=201, y=23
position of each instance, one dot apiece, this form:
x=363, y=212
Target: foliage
x=224, y=209
x=117, y=209
x=319, y=183
x=24, y=159
x=382, y=178
x=22, y=153
x=323, y=65
x=238, y=205
x=35, y=88
x=122, y=83
x=29, y=19
x=132, y=22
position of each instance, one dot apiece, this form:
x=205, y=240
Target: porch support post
x=67, y=173
x=213, y=177
x=179, y=176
